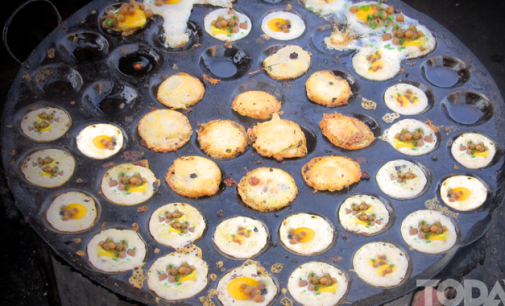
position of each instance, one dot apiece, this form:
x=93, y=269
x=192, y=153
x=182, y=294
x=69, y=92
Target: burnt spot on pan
x=467, y=107
x=225, y=63
x=445, y=71
x=109, y=98
x=57, y=80
x=159, y=39
x=83, y=46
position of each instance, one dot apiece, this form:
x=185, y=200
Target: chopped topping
x=171, y=218
x=243, y=232
x=109, y=144
x=114, y=18
x=375, y=62
x=117, y=249
x=45, y=165
x=402, y=177
x=404, y=36
x=425, y=230
x=374, y=16
x=175, y=274
x=127, y=182
x=254, y=293
x=471, y=148
x=293, y=55
x=318, y=283
x=230, y=25
x=359, y=212
x=415, y=138
x=45, y=121
x=295, y=238
x=382, y=265
x=67, y=213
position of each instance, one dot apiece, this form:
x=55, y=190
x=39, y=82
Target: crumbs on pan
x=190, y=249
x=368, y=104
x=137, y=278
x=286, y=301
x=213, y=276
x=81, y=253
x=276, y=268
x=207, y=300
x=77, y=240
x=156, y=251
x=434, y=204
x=390, y=117
x=135, y=227
x=142, y=209
x=211, y=80
x=219, y=264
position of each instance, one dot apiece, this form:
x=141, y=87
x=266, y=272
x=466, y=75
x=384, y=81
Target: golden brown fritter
x=278, y=138
x=346, y=132
x=164, y=130
x=267, y=189
x=325, y=88
x=256, y=104
x=331, y=173
x=289, y=62
x=194, y=177
x=222, y=138
x=181, y=91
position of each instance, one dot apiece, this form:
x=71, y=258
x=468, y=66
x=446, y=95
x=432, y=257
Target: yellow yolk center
x=217, y=31
x=97, y=141
x=466, y=193
x=309, y=234
x=440, y=237
x=106, y=253
x=82, y=210
x=134, y=21
x=234, y=289
x=272, y=24
x=381, y=269
x=404, y=144
x=330, y=289
x=186, y=278
x=363, y=14
x=414, y=42
x=481, y=154
x=172, y=1
x=141, y=188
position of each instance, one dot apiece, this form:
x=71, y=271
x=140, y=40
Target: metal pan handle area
x=11, y=17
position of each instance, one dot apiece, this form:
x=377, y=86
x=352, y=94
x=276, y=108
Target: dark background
x=25, y=280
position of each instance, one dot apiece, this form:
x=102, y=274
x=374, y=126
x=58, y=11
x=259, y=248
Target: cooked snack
x=331, y=173
x=100, y=141
x=278, y=138
x=244, y=286
x=380, y=264
x=176, y=14
x=256, y=104
x=411, y=137
x=282, y=25
x=72, y=212
x=165, y=130
x=48, y=168
x=241, y=237
x=115, y=250
x=129, y=184
x=317, y=283
x=463, y=192
x=375, y=64
x=306, y=234
x=473, y=150
x=227, y=24
x=194, y=177
x=415, y=38
x=127, y=19
x=289, y=62
x=327, y=89
x=181, y=91
x=406, y=99
x=176, y=224
x=46, y=124
x=346, y=132
x=267, y=189
x=222, y=138
x=401, y=179
x=429, y=231
x=177, y=276
x=324, y=8
x=363, y=215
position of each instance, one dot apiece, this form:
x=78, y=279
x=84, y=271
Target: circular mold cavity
x=109, y=98
x=83, y=46
x=371, y=123
x=275, y=91
x=57, y=80
x=317, y=37
x=311, y=139
x=195, y=37
x=483, y=207
x=272, y=1
x=108, y=28
x=467, y=108
x=445, y=71
x=225, y=63
x=497, y=156
x=353, y=82
x=135, y=61
x=427, y=91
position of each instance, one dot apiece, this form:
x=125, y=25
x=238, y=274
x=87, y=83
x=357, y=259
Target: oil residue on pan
x=98, y=76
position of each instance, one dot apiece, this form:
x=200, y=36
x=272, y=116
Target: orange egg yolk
x=466, y=193
x=404, y=144
x=363, y=14
x=141, y=188
x=81, y=210
x=172, y=1
x=380, y=270
x=234, y=289
x=309, y=234
x=97, y=141
x=481, y=154
x=134, y=21
x=272, y=24
x=440, y=237
x=187, y=278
